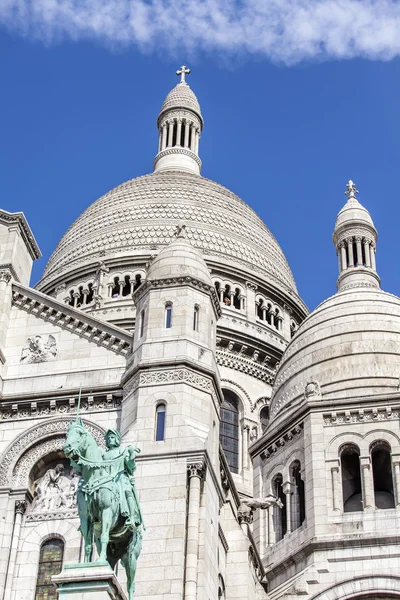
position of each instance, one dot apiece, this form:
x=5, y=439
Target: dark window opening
x=383, y=477
x=50, y=563
x=115, y=288
x=168, y=316
x=183, y=134
x=160, y=423
x=142, y=315
x=89, y=297
x=236, y=299
x=355, y=255
x=126, y=290
x=264, y=418
x=227, y=295
x=196, y=318
x=138, y=281
x=293, y=329
x=174, y=133
x=298, y=511
x=260, y=312
x=279, y=514
x=351, y=479
x=347, y=255
x=229, y=430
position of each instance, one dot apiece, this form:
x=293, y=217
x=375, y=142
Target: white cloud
x=286, y=31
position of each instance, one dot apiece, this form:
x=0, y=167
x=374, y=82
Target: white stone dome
x=181, y=96
x=348, y=347
x=179, y=259
x=353, y=213
x=139, y=217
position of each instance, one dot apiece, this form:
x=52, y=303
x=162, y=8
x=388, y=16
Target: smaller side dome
x=181, y=96
x=179, y=259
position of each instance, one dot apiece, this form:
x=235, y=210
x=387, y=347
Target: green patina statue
x=108, y=506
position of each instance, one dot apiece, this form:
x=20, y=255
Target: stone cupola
x=355, y=239
x=179, y=125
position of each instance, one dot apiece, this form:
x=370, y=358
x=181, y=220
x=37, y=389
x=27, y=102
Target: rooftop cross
x=351, y=189
x=183, y=71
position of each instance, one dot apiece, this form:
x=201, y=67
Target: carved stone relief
x=55, y=490
x=36, y=350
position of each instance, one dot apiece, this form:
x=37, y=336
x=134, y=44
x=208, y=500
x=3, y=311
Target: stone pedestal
x=88, y=581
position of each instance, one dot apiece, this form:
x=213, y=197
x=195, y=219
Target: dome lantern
x=355, y=239
x=179, y=127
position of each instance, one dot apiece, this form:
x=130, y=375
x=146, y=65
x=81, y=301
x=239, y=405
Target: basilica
x=269, y=436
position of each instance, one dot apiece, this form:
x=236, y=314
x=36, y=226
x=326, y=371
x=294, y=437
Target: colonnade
x=356, y=251
x=179, y=132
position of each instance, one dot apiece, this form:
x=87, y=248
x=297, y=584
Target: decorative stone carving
x=312, y=390
x=5, y=275
x=55, y=490
x=36, y=350
x=20, y=506
x=196, y=469
x=170, y=376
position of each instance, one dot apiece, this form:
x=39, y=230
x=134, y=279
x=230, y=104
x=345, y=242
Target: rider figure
x=122, y=471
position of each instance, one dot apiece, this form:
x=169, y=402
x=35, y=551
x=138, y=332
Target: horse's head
x=76, y=442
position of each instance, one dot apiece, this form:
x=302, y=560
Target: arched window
x=264, y=418
x=142, y=317
x=236, y=299
x=126, y=290
x=351, y=478
x=196, y=318
x=115, y=288
x=227, y=295
x=260, y=309
x=168, y=316
x=50, y=563
x=229, y=429
x=160, y=422
x=89, y=297
x=138, y=281
x=279, y=514
x=297, y=507
x=382, y=472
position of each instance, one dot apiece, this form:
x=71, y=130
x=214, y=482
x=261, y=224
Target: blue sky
x=78, y=116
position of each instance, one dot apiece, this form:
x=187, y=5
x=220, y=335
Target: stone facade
x=181, y=337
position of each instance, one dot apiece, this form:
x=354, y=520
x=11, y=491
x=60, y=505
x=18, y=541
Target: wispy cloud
x=287, y=31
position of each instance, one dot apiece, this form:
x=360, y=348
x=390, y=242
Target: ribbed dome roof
x=179, y=259
x=141, y=216
x=181, y=96
x=350, y=345
x=353, y=212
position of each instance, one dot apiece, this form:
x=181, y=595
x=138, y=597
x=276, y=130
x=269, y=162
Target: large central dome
x=140, y=217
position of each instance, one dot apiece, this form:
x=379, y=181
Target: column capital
x=196, y=469
x=5, y=275
x=20, y=507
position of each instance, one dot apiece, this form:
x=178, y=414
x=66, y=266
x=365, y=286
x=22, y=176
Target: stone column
x=397, y=481
x=110, y=287
x=242, y=299
x=121, y=284
x=132, y=284
x=245, y=446
x=350, y=249
x=196, y=474
x=192, y=140
x=359, y=252
x=251, y=289
x=271, y=529
x=343, y=256
x=20, y=508
x=164, y=136
x=264, y=313
x=187, y=129
x=159, y=140
x=170, y=132
x=287, y=490
x=196, y=145
x=367, y=483
x=336, y=491
x=5, y=308
x=178, y=133
x=85, y=293
x=367, y=254
x=76, y=296
x=373, y=259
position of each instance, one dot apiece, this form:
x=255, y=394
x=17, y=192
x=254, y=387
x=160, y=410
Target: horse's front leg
x=106, y=523
x=86, y=526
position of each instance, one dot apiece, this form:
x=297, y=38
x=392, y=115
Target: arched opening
x=89, y=297
x=227, y=295
x=383, y=477
x=126, y=290
x=160, y=422
x=351, y=478
x=229, y=429
x=168, y=316
x=297, y=498
x=138, y=281
x=236, y=299
x=175, y=125
x=142, y=317
x=53, y=483
x=115, y=288
x=259, y=309
x=279, y=514
x=264, y=418
x=50, y=563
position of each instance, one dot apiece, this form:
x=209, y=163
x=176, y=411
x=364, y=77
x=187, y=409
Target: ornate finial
x=183, y=71
x=180, y=231
x=351, y=189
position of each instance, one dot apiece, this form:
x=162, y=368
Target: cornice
x=71, y=319
x=177, y=150
x=19, y=219
x=245, y=365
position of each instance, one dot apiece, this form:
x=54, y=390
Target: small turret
x=355, y=239
x=179, y=125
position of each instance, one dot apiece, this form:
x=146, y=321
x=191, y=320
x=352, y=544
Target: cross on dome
x=351, y=189
x=183, y=71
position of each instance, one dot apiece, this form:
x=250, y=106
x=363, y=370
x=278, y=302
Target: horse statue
x=108, y=506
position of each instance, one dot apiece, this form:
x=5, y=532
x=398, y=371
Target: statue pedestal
x=88, y=581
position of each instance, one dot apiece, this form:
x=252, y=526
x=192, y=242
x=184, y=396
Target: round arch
x=366, y=588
